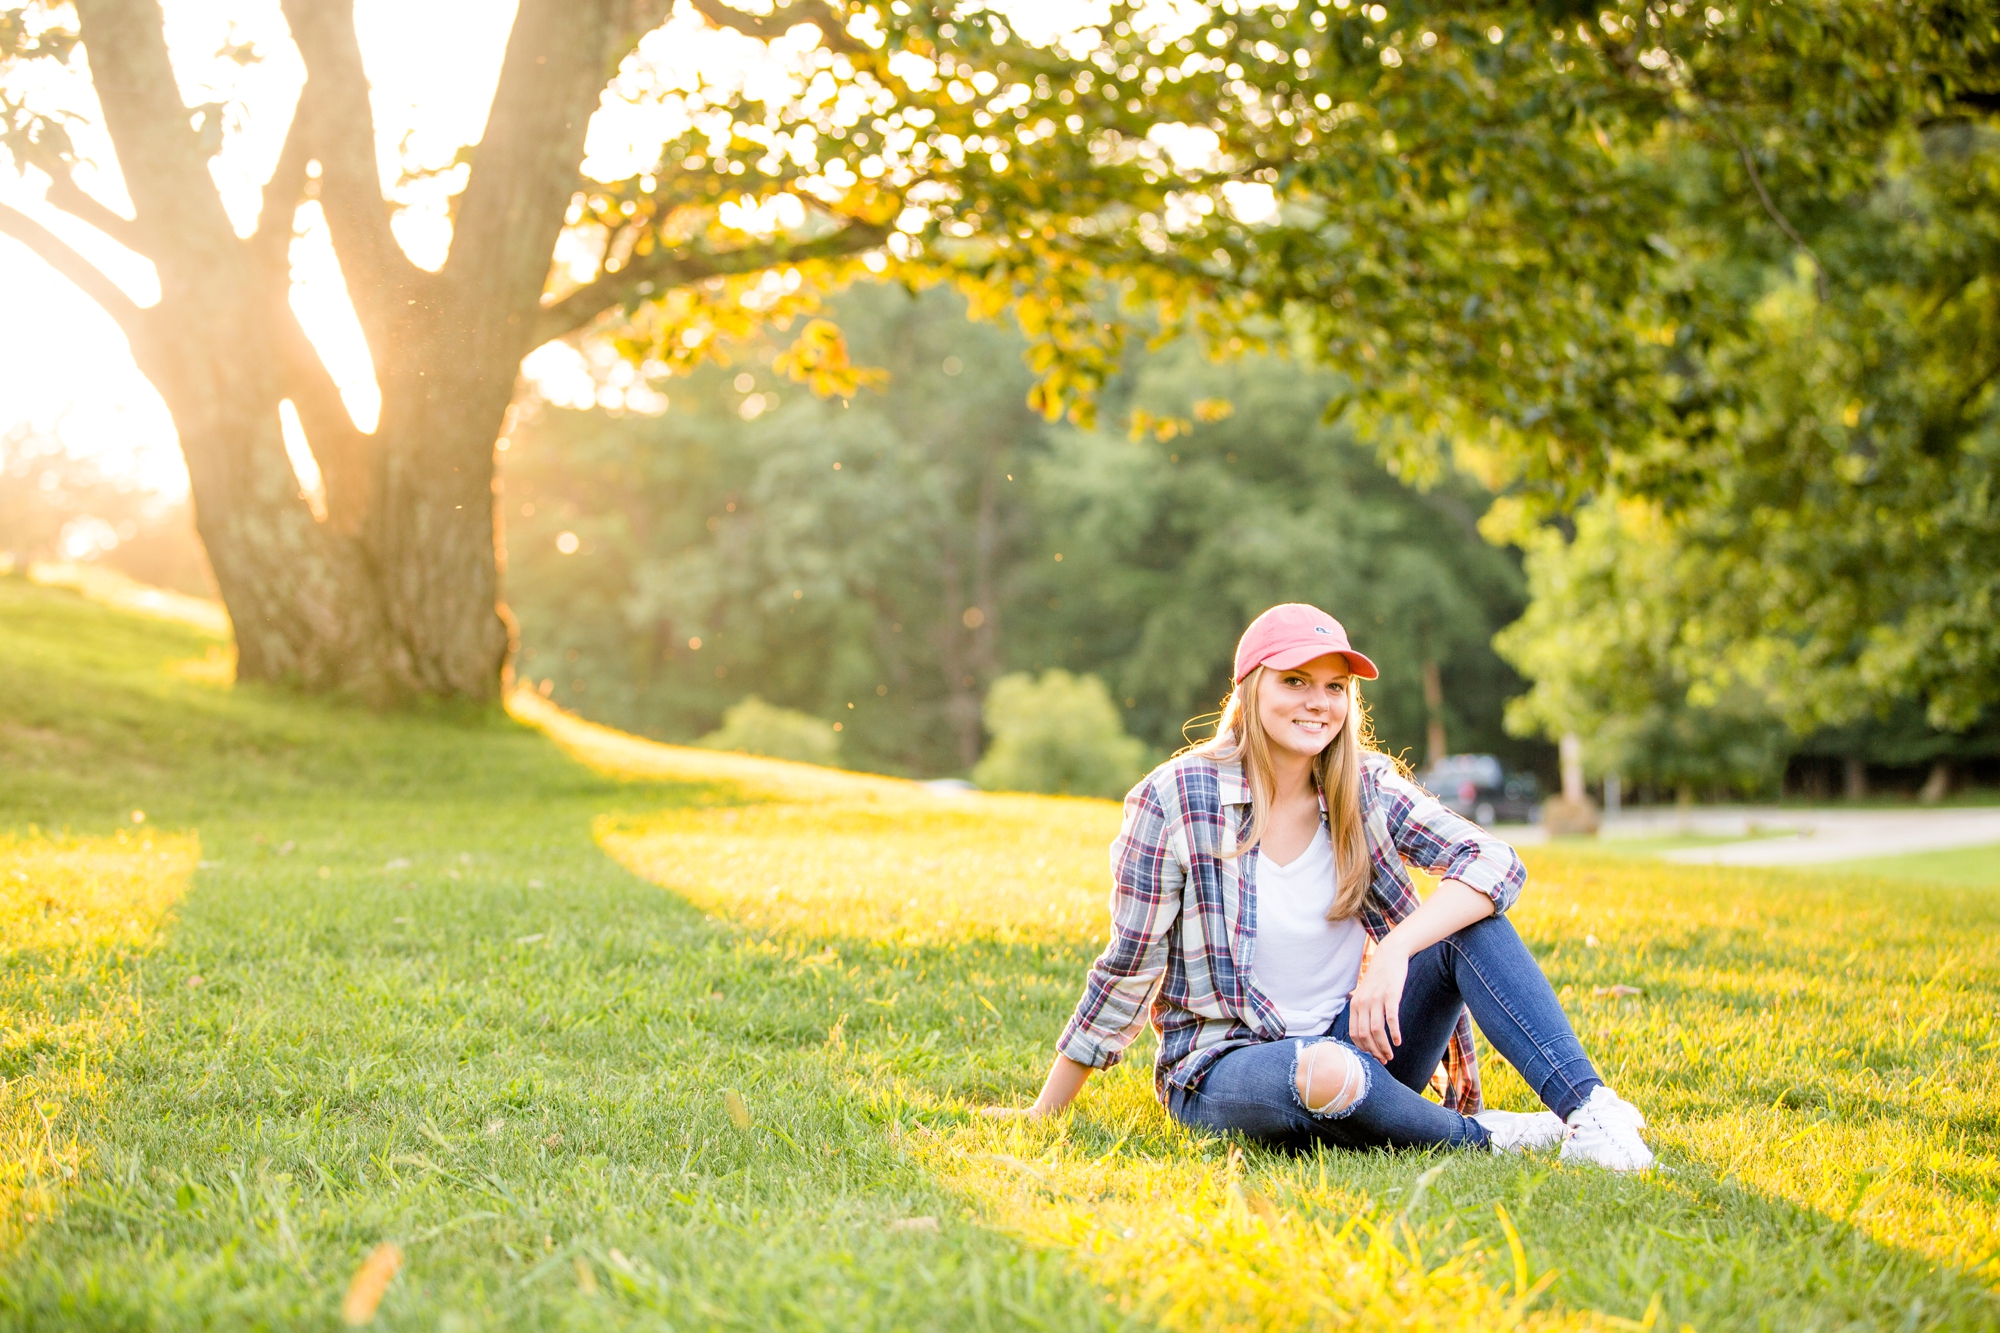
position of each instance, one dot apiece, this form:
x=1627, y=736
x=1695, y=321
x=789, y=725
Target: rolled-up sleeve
x=1429, y=834
x=1147, y=878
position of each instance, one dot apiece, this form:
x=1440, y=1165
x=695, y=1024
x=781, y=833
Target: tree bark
x=446, y=394
x=1434, y=739
x=985, y=559
x=300, y=595
x=961, y=706
x=1571, y=749
x=215, y=347
x=1938, y=785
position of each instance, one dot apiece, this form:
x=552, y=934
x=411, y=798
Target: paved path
x=1808, y=836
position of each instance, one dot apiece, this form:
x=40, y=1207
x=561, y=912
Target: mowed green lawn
x=1972, y=867
x=1965, y=867
x=605, y=1034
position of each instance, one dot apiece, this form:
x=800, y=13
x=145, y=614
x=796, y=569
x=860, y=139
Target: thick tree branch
x=1621, y=56
x=80, y=271
x=661, y=270
x=339, y=129
x=1975, y=388
x=346, y=455
x=832, y=32
x=159, y=151
x=641, y=17
x=66, y=194
x=278, y=214
x=525, y=173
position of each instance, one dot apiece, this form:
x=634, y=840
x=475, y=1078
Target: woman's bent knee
x=1330, y=1078
x=1488, y=930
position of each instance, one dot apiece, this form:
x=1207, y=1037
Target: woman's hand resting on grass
x=1065, y=1080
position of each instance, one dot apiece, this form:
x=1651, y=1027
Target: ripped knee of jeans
x=1330, y=1079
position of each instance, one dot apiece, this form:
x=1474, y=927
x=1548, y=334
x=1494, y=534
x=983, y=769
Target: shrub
x=1059, y=734
x=752, y=726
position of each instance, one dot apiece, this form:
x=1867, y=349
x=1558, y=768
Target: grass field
x=1971, y=867
x=1964, y=867
x=599, y=1033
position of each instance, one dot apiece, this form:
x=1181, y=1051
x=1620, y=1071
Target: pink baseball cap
x=1292, y=635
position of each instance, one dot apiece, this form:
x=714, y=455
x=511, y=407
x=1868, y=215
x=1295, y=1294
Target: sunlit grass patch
x=917, y=871
x=1190, y=1232
x=75, y=917
x=216, y=667
x=752, y=777
x=1829, y=1040
x=110, y=588
x=1754, y=986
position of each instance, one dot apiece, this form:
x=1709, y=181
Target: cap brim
x=1286, y=659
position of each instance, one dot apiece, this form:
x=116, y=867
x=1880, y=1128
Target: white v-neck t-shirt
x=1303, y=963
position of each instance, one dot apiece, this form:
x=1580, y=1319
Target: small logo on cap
x=1321, y=629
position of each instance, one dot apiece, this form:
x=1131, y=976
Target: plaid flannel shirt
x=1184, y=916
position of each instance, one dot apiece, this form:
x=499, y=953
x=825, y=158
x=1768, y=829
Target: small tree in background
x=755, y=727
x=1059, y=734
x=1605, y=642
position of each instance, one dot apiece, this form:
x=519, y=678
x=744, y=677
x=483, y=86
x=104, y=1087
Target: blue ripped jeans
x=1253, y=1089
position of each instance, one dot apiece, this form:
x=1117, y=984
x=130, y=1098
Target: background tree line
x=882, y=561
x=630, y=536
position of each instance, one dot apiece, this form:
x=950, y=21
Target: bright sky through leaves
x=432, y=65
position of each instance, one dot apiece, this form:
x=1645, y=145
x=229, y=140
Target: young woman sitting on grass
x=1252, y=871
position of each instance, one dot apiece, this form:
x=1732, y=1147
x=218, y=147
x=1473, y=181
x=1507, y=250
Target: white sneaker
x=1522, y=1131
x=1604, y=1131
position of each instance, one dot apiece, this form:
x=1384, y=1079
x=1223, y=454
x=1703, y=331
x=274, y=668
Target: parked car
x=1479, y=787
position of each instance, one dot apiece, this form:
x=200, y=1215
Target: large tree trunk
x=298, y=594
x=1434, y=738
x=447, y=385
x=433, y=538
x=223, y=349
x=396, y=590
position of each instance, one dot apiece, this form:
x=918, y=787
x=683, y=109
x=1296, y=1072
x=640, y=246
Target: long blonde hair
x=1336, y=772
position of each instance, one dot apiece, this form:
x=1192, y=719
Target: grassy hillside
x=600, y=1033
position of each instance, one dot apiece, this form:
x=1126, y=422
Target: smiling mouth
x=1310, y=727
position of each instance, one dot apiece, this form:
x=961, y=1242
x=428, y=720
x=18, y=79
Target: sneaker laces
x=1609, y=1120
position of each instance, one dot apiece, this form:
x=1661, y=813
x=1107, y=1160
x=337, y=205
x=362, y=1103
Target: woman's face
x=1304, y=708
